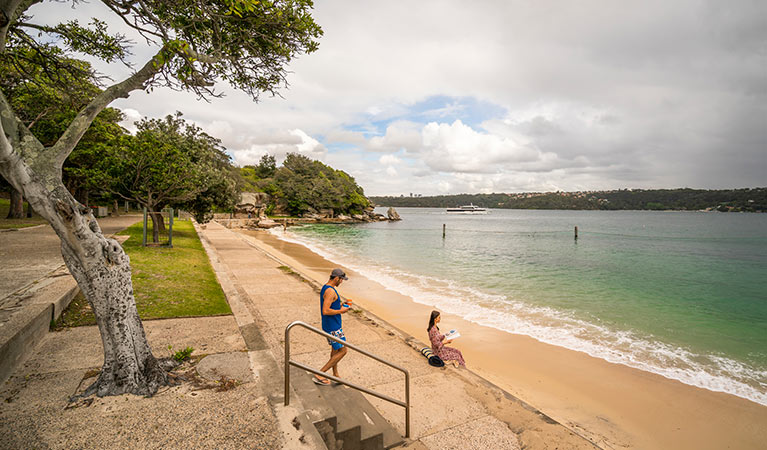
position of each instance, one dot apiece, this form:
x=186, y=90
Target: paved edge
x=20, y=336
x=297, y=429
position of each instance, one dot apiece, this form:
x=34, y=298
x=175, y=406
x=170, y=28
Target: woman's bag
x=434, y=360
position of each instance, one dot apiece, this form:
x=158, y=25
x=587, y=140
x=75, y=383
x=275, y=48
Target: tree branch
x=67, y=142
x=7, y=15
x=12, y=129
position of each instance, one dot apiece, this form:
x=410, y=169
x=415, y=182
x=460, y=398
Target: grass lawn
x=5, y=205
x=167, y=282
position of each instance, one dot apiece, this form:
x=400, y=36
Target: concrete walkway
x=451, y=408
x=29, y=254
x=35, y=287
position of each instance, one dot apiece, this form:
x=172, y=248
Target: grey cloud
x=599, y=93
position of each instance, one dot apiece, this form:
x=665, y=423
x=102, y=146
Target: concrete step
x=352, y=407
x=317, y=409
x=343, y=416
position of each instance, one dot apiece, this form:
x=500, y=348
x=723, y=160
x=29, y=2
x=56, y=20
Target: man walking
x=331, y=310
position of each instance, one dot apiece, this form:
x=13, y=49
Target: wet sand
x=613, y=405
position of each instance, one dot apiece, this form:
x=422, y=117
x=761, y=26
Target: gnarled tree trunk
x=102, y=270
x=100, y=266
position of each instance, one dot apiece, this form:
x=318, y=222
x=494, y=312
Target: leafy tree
x=170, y=163
x=266, y=167
x=304, y=183
x=246, y=43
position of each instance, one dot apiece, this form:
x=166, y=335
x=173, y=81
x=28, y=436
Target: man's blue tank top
x=330, y=323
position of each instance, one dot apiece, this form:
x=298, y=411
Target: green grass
x=5, y=205
x=167, y=282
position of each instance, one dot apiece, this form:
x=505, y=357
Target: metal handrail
x=289, y=362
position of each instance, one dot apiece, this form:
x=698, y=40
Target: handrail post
x=407, y=404
x=287, y=365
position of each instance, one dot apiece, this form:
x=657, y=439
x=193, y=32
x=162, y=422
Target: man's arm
x=327, y=300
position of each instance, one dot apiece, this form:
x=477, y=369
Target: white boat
x=467, y=209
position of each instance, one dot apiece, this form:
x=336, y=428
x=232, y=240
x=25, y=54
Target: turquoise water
x=678, y=294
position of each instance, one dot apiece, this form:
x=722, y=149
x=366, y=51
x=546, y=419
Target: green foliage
x=266, y=167
x=303, y=184
x=172, y=163
x=247, y=43
x=182, y=355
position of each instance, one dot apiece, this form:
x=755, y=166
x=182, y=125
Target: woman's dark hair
x=432, y=318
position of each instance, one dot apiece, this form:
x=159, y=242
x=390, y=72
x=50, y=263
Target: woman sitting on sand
x=448, y=354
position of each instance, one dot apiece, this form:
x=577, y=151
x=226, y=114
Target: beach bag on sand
x=434, y=360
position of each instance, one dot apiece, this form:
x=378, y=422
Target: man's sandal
x=316, y=380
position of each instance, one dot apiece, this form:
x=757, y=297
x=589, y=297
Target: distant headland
x=683, y=199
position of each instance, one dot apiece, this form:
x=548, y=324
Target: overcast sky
x=446, y=97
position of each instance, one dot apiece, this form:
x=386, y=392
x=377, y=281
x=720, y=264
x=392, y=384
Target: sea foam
x=713, y=372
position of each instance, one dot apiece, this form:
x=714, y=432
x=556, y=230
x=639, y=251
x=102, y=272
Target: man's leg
x=335, y=356
x=340, y=354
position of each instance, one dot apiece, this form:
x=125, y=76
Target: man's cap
x=338, y=273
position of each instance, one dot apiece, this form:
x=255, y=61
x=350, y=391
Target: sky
x=446, y=97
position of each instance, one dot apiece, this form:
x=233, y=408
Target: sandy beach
x=614, y=405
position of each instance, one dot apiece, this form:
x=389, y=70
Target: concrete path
x=451, y=408
x=35, y=411
x=29, y=254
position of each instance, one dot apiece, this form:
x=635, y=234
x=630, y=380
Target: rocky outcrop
x=252, y=204
x=257, y=215
x=268, y=223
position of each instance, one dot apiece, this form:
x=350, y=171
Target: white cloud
x=399, y=135
x=457, y=147
x=277, y=143
x=131, y=117
x=389, y=160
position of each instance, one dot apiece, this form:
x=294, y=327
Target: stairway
x=343, y=416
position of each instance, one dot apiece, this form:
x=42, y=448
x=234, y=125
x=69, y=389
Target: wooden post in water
x=443, y=231
x=576, y=233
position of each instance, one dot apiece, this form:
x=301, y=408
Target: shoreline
x=612, y=404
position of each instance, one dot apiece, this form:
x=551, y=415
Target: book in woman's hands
x=452, y=334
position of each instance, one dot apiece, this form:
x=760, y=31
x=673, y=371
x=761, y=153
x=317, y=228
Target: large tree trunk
x=115, y=209
x=102, y=270
x=100, y=266
x=17, y=205
x=104, y=275
x=158, y=223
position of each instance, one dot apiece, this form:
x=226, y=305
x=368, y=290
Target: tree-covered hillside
x=747, y=199
x=303, y=185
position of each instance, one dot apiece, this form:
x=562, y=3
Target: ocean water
x=680, y=294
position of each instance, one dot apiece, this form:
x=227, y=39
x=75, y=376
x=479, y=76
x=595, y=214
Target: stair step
x=353, y=409
x=355, y=423
x=317, y=408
